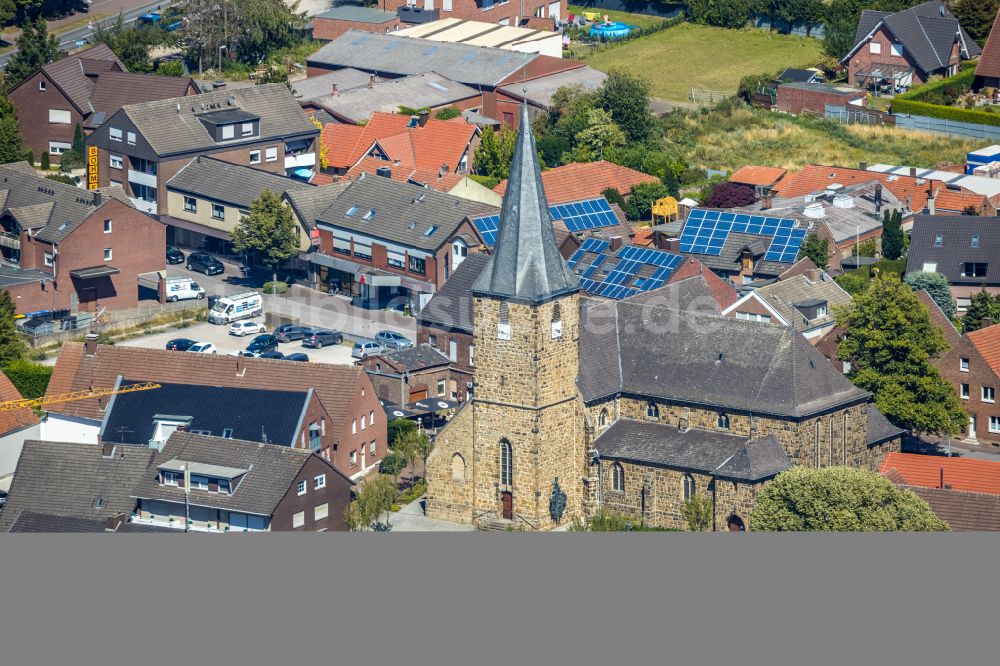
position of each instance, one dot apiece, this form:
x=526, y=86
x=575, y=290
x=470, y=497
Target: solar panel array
x=577, y=216
x=706, y=231
x=622, y=279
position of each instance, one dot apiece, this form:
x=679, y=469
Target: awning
x=333, y=262
x=397, y=412
x=195, y=227
x=94, y=272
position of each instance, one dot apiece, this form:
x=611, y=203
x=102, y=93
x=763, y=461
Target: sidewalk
x=411, y=518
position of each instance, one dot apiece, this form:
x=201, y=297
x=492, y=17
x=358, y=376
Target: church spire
x=526, y=264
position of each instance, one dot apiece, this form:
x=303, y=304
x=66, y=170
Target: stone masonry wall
x=448, y=497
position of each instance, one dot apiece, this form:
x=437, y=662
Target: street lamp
x=222, y=47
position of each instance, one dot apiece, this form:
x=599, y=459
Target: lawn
x=688, y=55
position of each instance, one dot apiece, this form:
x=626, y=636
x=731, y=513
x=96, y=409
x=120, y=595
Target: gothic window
x=652, y=410
x=723, y=421
x=506, y=463
x=503, y=323
x=689, y=487
x=617, y=478
x=457, y=467
x=602, y=420
x=556, y=322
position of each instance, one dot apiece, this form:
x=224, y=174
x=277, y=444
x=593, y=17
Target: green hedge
x=911, y=102
x=964, y=78
x=31, y=379
x=275, y=287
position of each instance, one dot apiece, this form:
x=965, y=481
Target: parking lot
x=225, y=343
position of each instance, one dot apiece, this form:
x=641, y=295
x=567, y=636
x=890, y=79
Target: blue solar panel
x=583, y=215
x=617, y=275
x=706, y=231
x=488, y=227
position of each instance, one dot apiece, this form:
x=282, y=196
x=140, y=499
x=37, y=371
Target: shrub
x=448, y=112
x=614, y=196
x=392, y=464
x=61, y=178
x=46, y=161
x=31, y=379
x=71, y=160
x=170, y=68
x=486, y=181
x=275, y=287
x=697, y=511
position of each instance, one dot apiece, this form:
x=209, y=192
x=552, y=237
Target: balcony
x=179, y=525
x=142, y=178
x=10, y=240
x=293, y=161
x=143, y=205
x=417, y=15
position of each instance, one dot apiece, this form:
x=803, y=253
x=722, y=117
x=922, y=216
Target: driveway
x=411, y=518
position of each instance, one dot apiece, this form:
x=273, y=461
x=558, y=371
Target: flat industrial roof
x=477, y=33
x=981, y=185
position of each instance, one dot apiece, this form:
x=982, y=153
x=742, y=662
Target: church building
x=631, y=405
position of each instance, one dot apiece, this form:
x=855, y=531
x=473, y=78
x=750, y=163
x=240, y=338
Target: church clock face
x=556, y=329
x=503, y=331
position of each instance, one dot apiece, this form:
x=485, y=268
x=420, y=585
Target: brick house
x=73, y=248
x=586, y=180
x=334, y=22
x=796, y=98
x=16, y=425
x=905, y=48
x=402, y=376
x=488, y=11
x=143, y=146
x=85, y=88
x=960, y=248
x=988, y=68
x=347, y=415
x=383, y=241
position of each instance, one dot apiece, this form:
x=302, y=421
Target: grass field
x=688, y=55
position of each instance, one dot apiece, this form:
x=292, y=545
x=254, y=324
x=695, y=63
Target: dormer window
x=170, y=478
x=246, y=129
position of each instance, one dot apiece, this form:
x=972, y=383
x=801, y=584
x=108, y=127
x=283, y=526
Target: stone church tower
x=499, y=459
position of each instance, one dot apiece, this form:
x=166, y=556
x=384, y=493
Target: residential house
x=986, y=341
x=347, y=414
x=474, y=31
x=209, y=197
x=761, y=178
x=85, y=88
x=68, y=248
x=240, y=486
x=484, y=68
x=804, y=303
x=961, y=249
x=950, y=181
x=34, y=522
x=382, y=240
x=143, y=146
x=799, y=98
x=489, y=11
x=539, y=92
x=988, y=68
x=586, y=180
x=896, y=50
x=16, y=425
x=416, y=373
x=336, y=21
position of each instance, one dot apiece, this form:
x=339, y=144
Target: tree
x=170, y=68
x=324, y=149
x=35, y=47
x=375, y=497
x=11, y=148
x=269, y=230
x=392, y=464
x=724, y=14
x=130, y=44
x=936, y=286
x=840, y=499
x=12, y=347
x=892, y=234
x=890, y=342
x=495, y=152
x=626, y=98
x=46, y=161
x=697, y=511
x=413, y=446
x=600, y=133
x=79, y=140
x=644, y=195
x=71, y=160
x=614, y=196
x=976, y=16
x=397, y=428
x=817, y=249
x=730, y=195
x=982, y=305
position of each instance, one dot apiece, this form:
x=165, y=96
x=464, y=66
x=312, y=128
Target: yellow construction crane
x=38, y=403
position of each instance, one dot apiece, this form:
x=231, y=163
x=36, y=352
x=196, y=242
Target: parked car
x=243, y=352
x=203, y=348
x=298, y=356
x=174, y=256
x=263, y=343
x=319, y=337
x=272, y=354
x=182, y=289
x=366, y=349
x=204, y=263
x=180, y=344
x=289, y=332
x=241, y=328
x=393, y=340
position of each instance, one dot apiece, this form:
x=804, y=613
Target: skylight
x=430, y=230
x=369, y=215
x=352, y=211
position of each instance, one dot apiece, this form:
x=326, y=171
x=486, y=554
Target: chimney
x=241, y=364
x=97, y=198
x=183, y=427
x=913, y=172
x=371, y=81
x=672, y=245
x=863, y=165
x=878, y=198
x=90, y=343
x=616, y=243
x=334, y=90
x=813, y=274
x=112, y=523
x=107, y=449
x=931, y=200
x=424, y=117
x=766, y=200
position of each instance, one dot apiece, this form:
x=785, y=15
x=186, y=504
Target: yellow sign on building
x=91, y=167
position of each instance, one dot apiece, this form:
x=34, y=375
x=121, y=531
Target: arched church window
x=457, y=467
x=652, y=410
x=618, y=478
x=506, y=463
x=690, y=487
x=602, y=420
x=723, y=421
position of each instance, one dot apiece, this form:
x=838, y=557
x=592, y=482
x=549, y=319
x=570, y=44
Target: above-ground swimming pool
x=613, y=30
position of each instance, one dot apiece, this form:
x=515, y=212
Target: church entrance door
x=507, y=498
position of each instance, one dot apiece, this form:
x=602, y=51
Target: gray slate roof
x=271, y=470
x=418, y=357
x=690, y=294
x=540, y=91
x=70, y=73
x=879, y=428
x=956, y=246
x=358, y=104
x=451, y=306
x=396, y=208
x=783, y=295
x=170, y=132
x=315, y=87
x=66, y=478
x=925, y=31
x=703, y=359
x=792, y=74
x=400, y=56
x=32, y=521
x=526, y=264
x=229, y=183
x=703, y=451
x=310, y=202
x=357, y=14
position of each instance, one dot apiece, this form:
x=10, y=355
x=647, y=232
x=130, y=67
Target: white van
x=182, y=289
x=236, y=306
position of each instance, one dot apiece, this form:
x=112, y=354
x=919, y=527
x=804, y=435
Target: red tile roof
x=968, y=474
x=987, y=342
x=442, y=182
x=14, y=419
x=723, y=293
x=437, y=143
x=586, y=180
x=758, y=175
x=989, y=61
x=816, y=177
x=643, y=237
